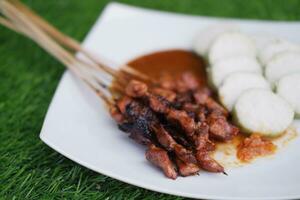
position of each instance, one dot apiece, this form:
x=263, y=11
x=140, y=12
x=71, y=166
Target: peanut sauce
x=173, y=62
x=177, y=61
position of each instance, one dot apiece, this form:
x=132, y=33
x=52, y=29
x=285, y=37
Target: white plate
x=78, y=126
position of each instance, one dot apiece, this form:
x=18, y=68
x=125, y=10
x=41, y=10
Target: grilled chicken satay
x=203, y=148
x=161, y=105
x=145, y=122
x=220, y=128
x=188, y=163
x=160, y=158
x=137, y=120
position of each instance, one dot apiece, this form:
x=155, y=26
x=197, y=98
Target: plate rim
x=111, y=6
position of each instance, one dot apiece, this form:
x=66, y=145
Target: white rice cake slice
x=231, y=45
x=224, y=68
x=263, y=112
x=235, y=84
x=262, y=39
x=283, y=64
x=206, y=36
x=288, y=87
x=274, y=48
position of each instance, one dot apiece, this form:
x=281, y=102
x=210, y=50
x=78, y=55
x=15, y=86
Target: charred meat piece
x=201, y=114
x=181, y=87
x=186, y=82
x=190, y=107
x=203, y=147
x=167, y=94
x=138, y=131
x=220, y=128
x=136, y=110
x=144, y=123
x=184, y=97
x=139, y=138
x=203, y=97
x=190, y=80
x=122, y=103
x=164, y=138
x=201, y=138
x=178, y=137
x=136, y=89
x=116, y=114
x=166, y=81
x=158, y=103
x=184, y=155
x=208, y=163
x=186, y=122
x=213, y=106
x=198, y=112
x=140, y=120
x=186, y=169
x=160, y=158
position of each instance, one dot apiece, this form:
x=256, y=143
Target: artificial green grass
x=28, y=78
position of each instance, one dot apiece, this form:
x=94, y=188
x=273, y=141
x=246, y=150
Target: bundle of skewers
x=176, y=118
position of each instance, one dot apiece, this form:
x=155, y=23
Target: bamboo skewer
x=9, y=25
x=21, y=24
x=73, y=44
x=21, y=19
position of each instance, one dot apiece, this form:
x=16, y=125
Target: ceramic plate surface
x=79, y=127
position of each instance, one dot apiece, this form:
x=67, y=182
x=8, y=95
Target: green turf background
x=28, y=78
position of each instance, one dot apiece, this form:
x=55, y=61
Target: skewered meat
x=185, y=97
x=190, y=80
x=212, y=105
x=202, y=97
x=116, y=114
x=198, y=112
x=201, y=138
x=164, y=138
x=208, y=163
x=144, y=123
x=190, y=107
x=122, y=103
x=188, y=163
x=167, y=94
x=181, y=117
x=220, y=128
x=160, y=158
x=178, y=136
x=137, y=132
x=186, y=169
x=136, y=89
x=166, y=81
x=185, y=155
x=158, y=103
x=203, y=148
x=178, y=120
x=187, y=82
x=201, y=114
x=140, y=119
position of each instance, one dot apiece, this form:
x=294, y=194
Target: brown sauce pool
x=175, y=62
